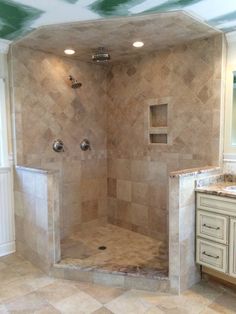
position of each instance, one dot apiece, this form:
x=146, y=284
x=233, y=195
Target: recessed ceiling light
x=69, y=51
x=138, y=44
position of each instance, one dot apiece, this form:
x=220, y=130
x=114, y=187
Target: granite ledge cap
x=36, y=170
x=193, y=171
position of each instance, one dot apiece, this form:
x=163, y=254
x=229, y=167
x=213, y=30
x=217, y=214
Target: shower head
x=74, y=83
x=101, y=55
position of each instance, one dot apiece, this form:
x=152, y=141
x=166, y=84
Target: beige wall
x=45, y=108
x=189, y=79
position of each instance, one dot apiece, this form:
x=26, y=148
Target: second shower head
x=74, y=83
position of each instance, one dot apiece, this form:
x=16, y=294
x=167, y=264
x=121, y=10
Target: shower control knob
x=85, y=145
x=58, y=146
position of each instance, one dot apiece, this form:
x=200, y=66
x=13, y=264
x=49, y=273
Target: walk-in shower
x=112, y=180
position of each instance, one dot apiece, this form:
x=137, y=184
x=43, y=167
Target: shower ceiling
x=157, y=31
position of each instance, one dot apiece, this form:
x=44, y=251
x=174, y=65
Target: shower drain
x=102, y=247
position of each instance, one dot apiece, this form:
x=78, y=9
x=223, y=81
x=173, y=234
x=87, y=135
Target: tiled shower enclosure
x=144, y=117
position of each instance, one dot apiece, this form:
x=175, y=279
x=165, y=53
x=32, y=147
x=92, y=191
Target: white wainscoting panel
x=7, y=228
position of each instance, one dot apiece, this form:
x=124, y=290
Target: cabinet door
x=232, y=248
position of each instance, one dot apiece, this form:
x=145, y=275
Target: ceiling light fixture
x=69, y=51
x=138, y=44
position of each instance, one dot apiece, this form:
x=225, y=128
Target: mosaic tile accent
x=126, y=251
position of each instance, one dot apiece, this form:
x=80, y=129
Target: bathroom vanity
x=216, y=228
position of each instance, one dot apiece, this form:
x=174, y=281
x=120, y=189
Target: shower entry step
x=115, y=256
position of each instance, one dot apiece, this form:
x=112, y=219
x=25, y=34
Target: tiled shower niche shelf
x=158, y=115
x=158, y=138
x=158, y=131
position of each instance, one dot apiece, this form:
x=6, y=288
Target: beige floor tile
x=128, y=303
x=8, y=275
x=14, y=289
x=47, y=310
x=207, y=310
x=225, y=304
x=2, y=266
x=3, y=309
x=28, y=304
x=102, y=310
x=79, y=303
x=37, y=281
x=57, y=291
x=177, y=304
x=203, y=293
x=154, y=310
x=102, y=294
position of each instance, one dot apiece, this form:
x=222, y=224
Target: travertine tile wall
x=45, y=108
x=111, y=109
x=183, y=271
x=37, y=216
x=189, y=79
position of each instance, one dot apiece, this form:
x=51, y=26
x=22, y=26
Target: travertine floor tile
x=203, y=293
x=102, y=294
x=103, y=310
x=28, y=303
x=34, y=292
x=128, y=303
x=57, y=291
x=225, y=303
x=79, y=303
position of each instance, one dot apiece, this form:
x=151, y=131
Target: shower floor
x=125, y=251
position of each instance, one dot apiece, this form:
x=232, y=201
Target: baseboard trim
x=7, y=248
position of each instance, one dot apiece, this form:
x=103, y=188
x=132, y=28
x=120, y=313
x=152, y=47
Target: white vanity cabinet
x=216, y=233
x=232, y=248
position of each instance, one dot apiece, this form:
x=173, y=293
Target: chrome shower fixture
x=74, y=83
x=101, y=55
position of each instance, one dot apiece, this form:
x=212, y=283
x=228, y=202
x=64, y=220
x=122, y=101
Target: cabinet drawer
x=217, y=204
x=212, y=226
x=212, y=255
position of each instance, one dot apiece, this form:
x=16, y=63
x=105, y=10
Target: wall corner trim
x=4, y=45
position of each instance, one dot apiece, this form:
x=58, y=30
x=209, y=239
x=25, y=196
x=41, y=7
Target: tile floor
x=126, y=251
x=25, y=289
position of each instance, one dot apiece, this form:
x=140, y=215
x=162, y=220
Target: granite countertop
x=218, y=189
x=193, y=171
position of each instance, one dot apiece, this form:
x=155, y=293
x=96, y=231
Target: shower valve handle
x=85, y=145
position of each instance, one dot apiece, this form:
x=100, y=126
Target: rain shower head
x=101, y=55
x=74, y=83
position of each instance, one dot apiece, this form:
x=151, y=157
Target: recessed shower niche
x=158, y=129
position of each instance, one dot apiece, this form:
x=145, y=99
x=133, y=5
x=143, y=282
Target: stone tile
x=47, y=310
x=3, y=309
x=101, y=293
x=103, y=310
x=225, y=303
x=123, y=190
x=111, y=185
x=203, y=292
x=78, y=303
x=128, y=303
x=28, y=303
x=57, y=291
